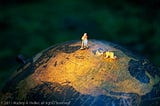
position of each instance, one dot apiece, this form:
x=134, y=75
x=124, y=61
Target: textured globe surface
x=65, y=75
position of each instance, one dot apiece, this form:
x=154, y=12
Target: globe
x=66, y=75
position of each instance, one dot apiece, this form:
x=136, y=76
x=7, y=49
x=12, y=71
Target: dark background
x=29, y=26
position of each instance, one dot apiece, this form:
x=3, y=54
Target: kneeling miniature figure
x=106, y=54
x=109, y=54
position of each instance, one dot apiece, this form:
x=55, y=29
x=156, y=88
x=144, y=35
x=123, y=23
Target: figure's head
x=85, y=35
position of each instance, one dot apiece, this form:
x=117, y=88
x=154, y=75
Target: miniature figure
x=84, y=41
x=106, y=54
x=99, y=53
x=110, y=54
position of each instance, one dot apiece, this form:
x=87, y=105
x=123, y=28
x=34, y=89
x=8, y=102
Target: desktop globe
x=66, y=75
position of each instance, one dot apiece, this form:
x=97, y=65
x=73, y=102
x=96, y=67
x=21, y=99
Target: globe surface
x=65, y=75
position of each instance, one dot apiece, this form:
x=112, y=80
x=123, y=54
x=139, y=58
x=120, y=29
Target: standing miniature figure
x=84, y=41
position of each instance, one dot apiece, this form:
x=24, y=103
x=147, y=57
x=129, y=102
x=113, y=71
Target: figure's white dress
x=85, y=42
